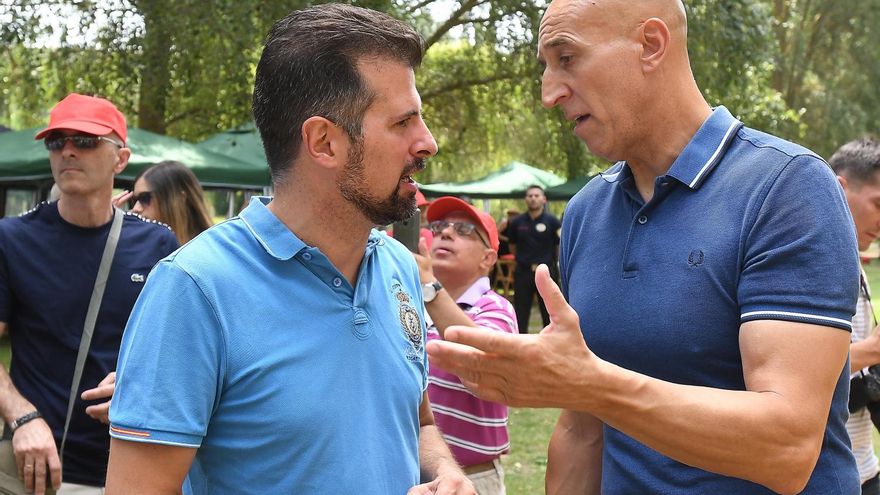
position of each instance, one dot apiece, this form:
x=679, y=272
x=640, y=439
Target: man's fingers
x=555, y=302
x=40, y=477
x=99, y=392
x=27, y=473
x=109, y=379
x=493, y=342
x=423, y=247
x=99, y=412
x=55, y=470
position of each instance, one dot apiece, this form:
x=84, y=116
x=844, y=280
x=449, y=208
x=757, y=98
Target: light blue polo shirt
x=744, y=226
x=248, y=345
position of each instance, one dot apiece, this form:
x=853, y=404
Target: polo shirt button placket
x=643, y=220
x=307, y=256
x=337, y=282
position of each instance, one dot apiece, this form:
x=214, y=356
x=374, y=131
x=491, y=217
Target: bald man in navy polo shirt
x=712, y=274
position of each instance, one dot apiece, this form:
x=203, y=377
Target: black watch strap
x=19, y=422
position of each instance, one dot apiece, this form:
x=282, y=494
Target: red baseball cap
x=88, y=114
x=441, y=207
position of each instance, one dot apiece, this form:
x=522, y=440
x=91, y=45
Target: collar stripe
x=713, y=159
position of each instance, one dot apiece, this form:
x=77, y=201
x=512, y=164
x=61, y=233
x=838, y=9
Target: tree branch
x=466, y=83
x=454, y=20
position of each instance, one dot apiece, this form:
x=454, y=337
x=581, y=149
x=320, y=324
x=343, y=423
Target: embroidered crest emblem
x=540, y=227
x=410, y=322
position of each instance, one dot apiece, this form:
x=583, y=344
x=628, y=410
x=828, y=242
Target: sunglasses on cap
x=143, y=198
x=463, y=229
x=80, y=141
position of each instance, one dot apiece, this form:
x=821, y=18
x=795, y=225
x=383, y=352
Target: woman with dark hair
x=169, y=192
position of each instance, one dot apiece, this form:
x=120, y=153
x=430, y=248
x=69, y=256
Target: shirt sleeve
x=495, y=313
x=511, y=231
x=800, y=256
x=5, y=294
x=171, y=363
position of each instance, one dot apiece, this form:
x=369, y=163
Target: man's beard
x=380, y=211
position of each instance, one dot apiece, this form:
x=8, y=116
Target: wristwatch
x=429, y=291
x=19, y=422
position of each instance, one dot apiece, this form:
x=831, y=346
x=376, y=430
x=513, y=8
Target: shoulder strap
x=92, y=317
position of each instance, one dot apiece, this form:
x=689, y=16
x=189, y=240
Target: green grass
x=526, y=464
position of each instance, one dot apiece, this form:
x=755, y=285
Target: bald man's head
x=616, y=68
x=620, y=17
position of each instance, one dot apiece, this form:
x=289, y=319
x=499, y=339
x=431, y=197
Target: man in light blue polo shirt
x=283, y=351
x=712, y=275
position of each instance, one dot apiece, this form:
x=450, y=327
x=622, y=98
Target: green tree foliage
x=805, y=69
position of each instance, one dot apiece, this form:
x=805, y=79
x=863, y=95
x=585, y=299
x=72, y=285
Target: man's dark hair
x=309, y=68
x=858, y=161
x=535, y=186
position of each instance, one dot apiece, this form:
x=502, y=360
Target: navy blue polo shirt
x=535, y=238
x=47, y=272
x=744, y=226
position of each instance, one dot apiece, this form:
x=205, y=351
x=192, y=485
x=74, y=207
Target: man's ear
x=488, y=261
x=843, y=182
x=324, y=142
x=654, y=36
x=122, y=157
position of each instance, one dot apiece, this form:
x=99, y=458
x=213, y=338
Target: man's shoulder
x=136, y=221
x=763, y=143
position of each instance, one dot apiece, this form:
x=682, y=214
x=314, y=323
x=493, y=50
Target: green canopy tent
x=24, y=160
x=568, y=188
x=510, y=181
x=242, y=143
x=24, y=164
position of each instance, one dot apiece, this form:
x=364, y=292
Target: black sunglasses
x=463, y=229
x=143, y=198
x=80, y=142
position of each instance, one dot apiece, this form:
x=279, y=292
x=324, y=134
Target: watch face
x=429, y=292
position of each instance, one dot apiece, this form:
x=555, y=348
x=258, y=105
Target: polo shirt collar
x=706, y=149
x=273, y=235
x=475, y=292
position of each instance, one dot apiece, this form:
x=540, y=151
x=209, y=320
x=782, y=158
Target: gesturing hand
x=543, y=370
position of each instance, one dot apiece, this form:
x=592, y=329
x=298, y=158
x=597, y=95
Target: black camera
x=864, y=391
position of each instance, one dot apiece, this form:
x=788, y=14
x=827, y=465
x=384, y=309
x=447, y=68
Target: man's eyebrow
x=550, y=44
x=409, y=114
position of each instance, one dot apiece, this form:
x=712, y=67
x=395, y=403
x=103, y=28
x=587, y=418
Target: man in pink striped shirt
x=457, y=292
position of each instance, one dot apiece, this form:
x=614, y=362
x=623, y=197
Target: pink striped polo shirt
x=475, y=429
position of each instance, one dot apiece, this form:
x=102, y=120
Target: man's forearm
x=445, y=313
x=574, y=456
x=434, y=455
x=12, y=404
x=865, y=353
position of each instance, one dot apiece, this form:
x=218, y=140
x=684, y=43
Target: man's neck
x=85, y=211
x=329, y=225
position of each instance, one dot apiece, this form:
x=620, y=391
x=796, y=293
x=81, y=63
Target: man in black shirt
x=534, y=236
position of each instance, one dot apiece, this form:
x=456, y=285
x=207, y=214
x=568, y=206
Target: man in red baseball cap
x=52, y=256
x=456, y=291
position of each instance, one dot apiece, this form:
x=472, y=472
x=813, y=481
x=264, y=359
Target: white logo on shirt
x=137, y=277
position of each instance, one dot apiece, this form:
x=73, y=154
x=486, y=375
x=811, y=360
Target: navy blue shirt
x=535, y=238
x=47, y=272
x=744, y=226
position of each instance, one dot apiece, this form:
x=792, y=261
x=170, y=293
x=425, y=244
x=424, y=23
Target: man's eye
x=403, y=123
x=565, y=59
